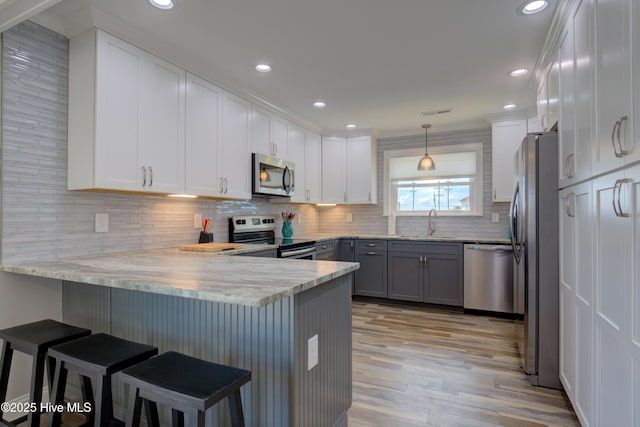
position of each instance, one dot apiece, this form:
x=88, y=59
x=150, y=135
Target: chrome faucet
x=432, y=222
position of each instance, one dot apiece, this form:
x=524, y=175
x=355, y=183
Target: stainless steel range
x=260, y=230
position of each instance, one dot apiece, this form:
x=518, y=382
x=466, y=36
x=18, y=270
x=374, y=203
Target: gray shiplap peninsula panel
x=269, y=341
x=325, y=390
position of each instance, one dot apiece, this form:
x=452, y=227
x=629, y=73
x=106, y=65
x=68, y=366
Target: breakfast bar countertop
x=250, y=281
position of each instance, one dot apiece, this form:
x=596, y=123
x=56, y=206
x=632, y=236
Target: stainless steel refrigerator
x=534, y=236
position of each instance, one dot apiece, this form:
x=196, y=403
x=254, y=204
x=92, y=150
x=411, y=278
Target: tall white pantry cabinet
x=597, y=49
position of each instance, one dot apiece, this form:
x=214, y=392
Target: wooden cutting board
x=211, y=247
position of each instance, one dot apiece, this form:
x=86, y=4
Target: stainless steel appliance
x=534, y=236
x=488, y=278
x=260, y=230
x=272, y=176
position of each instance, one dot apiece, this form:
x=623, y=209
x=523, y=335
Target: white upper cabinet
x=349, y=170
x=279, y=137
x=361, y=167
x=506, y=137
x=234, y=164
x=269, y=134
x=261, y=131
x=576, y=96
x=203, y=137
x=613, y=145
x=163, y=139
x=334, y=169
x=313, y=168
x=297, y=154
x=105, y=108
x=126, y=118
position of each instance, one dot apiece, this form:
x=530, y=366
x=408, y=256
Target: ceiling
x=376, y=63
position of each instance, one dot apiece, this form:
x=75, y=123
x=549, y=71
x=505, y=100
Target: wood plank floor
x=417, y=367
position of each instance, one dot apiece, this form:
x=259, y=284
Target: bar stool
x=96, y=357
x=187, y=385
x=34, y=339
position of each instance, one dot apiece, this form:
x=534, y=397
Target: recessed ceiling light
x=319, y=104
x=350, y=126
x=509, y=106
x=530, y=7
x=518, y=72
x=263, y=68
x=162, y=4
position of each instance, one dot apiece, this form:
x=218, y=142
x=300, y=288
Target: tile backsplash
x=42, y=220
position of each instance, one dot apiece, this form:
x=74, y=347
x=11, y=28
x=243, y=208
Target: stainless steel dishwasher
x=488, y=278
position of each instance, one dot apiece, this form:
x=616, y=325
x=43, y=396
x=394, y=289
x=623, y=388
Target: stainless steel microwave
x=272, y=176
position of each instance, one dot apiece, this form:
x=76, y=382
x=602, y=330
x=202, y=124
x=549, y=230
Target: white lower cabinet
x=613, y=252
x=600, y=298
x=576, y=298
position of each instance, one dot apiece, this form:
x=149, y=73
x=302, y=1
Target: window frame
x=477, y=188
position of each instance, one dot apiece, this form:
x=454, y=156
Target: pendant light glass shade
x=426, y=163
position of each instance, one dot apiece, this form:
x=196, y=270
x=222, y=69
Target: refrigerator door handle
x=513, y=228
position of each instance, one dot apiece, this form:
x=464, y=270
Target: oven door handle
x=289, y=254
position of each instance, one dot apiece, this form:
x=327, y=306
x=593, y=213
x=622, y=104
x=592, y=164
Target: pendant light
x=426, y=163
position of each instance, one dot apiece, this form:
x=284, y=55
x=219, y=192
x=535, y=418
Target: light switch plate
x=102, y=223
x=349, y=217
x=312, y=352
x=197, y=220
x=495, y=217
x=299, y=218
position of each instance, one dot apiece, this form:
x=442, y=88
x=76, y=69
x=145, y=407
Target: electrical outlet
x=197, y=220
x=102, y=223
x=495, y=217
x=299, y=218
x=312, y=352
x=349, y=217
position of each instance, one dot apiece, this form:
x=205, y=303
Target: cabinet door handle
x=144, y=176
x=369, y=195
x=613, y=138
x=568, y=205
x=494, y=193
x=568, y=170
x=150, y=176
x=275, y=149
x=345, y=196
x=221, y=187
x=617, y=204
x=371, y=245
x=371, y=253
x=622, y=151
x=421, y=261
x=226, y=185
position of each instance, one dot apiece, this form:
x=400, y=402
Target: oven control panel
x=253, y=223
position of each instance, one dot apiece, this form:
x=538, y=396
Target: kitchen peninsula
x=263, y=315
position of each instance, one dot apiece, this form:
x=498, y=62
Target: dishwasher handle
x=488, y=248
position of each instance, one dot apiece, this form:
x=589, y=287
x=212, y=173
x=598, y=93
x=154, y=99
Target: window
x=454, y=188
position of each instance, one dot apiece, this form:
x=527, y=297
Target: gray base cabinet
x=426, y=272
x=346, y=252
x=326, y=250
x=371, y=279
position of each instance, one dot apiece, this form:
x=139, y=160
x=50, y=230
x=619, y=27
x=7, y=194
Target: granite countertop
x=250, y=281
x=319, y=237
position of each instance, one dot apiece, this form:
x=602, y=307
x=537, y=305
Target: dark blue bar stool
x=185, y=384
x=34, y=339
x=96, y=358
